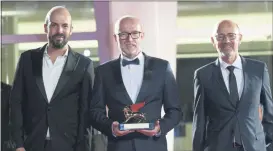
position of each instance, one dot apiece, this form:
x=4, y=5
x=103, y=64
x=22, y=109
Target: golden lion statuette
x=134, y=119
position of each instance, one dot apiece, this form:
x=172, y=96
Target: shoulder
x=253, y=62
x=157, y=64
x=207, y=68
x=30, y=51
x=29, y=54
x=82, y=57
x=108, y=64
x=158, y=61
x=254, y=67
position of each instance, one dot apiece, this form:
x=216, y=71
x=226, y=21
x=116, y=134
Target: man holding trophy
x=134, y=87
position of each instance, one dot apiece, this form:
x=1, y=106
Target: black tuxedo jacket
x=158, y=89
x=65, y=115
x=5, y=128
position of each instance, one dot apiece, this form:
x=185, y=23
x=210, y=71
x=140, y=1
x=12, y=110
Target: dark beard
x=56, y=43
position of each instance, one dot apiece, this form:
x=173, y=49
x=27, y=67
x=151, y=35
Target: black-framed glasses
x=124, y=35
x=230, y=36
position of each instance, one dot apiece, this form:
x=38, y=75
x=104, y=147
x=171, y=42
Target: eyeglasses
x=230, y=36
x=124, y=35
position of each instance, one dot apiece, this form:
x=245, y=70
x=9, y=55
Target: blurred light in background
x=87, y=53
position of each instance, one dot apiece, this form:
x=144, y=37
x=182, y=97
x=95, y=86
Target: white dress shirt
x=238, y=71
x=52, y=73
x=132, y=76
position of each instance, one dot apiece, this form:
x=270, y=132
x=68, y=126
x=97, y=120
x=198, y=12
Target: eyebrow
x=129, y=32
x=57, y=23
x=227, y=33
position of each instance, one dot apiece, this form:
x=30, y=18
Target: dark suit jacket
x=5, y=130
x=158, y=88
x=215, y=115
x=65, y=115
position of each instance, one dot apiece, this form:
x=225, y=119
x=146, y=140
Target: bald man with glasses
x=227, y=97
x=134, y=78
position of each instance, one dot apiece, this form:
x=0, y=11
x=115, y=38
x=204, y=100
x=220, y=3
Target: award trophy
x=135, y=120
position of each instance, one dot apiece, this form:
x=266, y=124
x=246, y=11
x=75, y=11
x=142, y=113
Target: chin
x=132, y=52
x=227, y=51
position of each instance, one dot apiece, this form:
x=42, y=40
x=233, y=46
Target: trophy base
x=136, y=126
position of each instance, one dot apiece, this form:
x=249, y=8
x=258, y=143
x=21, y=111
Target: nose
x=226, y=40
x=129, y=38
x=60, y=29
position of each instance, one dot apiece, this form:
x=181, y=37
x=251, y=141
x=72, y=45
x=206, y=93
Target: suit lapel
x=146, y=79
x=218, y=77
x=69, y=67
x=145, y=82
x=37, y=68
x=246, y=78
x=119, y=82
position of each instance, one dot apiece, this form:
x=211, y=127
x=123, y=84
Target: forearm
x=171, y=118
x=199, y=115
x=100, y=121
x=85, y=99
x=97, y=110
x=17, y=123
x=198, y=129
x=171, y=102
x=267, y=102
x=17, y=96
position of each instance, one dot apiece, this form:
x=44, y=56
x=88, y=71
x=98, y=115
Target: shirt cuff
x=158, y=134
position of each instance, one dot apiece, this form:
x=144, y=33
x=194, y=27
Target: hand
x=20, y=149
x=116, y=130
x=151, y=132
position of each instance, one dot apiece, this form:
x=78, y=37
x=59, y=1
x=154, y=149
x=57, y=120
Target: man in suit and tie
x=51, y=91
x=131, y=79
x=227, y=97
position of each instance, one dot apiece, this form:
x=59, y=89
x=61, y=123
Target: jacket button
x=49, y=108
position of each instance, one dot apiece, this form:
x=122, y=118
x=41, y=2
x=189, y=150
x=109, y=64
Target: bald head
x=58, y=26
x=128, y=35
x=126, y=22
x=57, y=11
x=225, y=24
x=226, y=38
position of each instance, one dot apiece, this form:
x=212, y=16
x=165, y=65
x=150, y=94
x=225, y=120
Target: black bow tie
x=127, y=62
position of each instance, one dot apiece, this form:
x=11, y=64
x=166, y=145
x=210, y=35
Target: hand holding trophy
x=135, y=120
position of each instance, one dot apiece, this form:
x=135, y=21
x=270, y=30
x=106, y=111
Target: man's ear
x=240, y=38
x=71, y=30
x=213, y=41
x=142, y=35
x=45, y=28
x=115, y=37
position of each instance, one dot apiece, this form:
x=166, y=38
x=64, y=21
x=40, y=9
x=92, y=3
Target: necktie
x=234, y=97
x=233, y=90
x=127, y=62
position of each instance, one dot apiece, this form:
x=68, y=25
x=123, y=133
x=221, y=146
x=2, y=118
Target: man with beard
x=51, y=91
x=227, y=97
